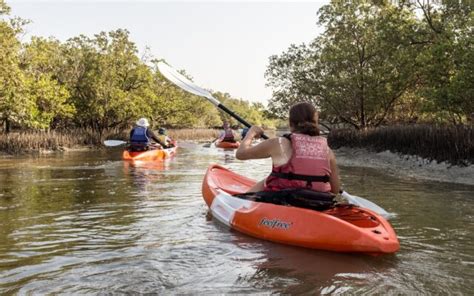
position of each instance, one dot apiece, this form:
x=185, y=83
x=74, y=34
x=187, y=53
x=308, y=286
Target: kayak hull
x=150, y=155
x=341, y=229
x=227, y=145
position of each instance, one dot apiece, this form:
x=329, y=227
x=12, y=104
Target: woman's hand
x=255, y=132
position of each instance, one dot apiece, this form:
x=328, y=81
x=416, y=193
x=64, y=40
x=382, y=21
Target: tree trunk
x=7, y=126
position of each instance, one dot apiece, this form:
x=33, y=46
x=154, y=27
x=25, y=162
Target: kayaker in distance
x=141, y=137
x=244, y=132
x=301, y=159
x=227, y=135
x=164, y=138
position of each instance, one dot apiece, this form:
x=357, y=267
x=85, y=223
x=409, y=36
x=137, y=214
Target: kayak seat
x=300, y=197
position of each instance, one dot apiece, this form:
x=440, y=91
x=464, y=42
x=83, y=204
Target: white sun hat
x=143, y=122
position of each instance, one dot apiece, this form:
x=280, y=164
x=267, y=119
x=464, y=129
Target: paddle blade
x=114, y=143
x=184, y=83
x=208, y=145
x=364, y=203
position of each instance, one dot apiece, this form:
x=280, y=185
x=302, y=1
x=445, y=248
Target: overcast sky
x=223, y=45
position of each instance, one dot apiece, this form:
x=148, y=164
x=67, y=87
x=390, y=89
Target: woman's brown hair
x=304, y=119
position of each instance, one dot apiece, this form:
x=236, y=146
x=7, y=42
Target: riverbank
x=392, y=163
x=44, y=142
x=453, y=144
x=406, y=166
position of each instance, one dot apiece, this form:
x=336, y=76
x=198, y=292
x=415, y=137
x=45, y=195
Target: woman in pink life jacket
x=227, y=135
x=301, y=159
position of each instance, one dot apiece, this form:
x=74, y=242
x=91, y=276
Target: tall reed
x=27, y=141
x=453, y=144
x=32, y=141
x=193, y=134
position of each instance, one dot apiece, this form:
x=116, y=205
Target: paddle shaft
x=238, y=118
x=185, y=84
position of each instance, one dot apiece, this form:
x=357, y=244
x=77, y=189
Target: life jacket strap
x=309, y=179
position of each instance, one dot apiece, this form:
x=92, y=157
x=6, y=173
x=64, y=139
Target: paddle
x=114, y=143
x=208, y=145
x=185, y=84
x=364, y=203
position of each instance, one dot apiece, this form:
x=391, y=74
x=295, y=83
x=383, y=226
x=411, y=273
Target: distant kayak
x=227, y=145
x=341, y=228
x=150, y=155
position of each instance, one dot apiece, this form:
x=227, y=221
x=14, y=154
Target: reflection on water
x=88, y=222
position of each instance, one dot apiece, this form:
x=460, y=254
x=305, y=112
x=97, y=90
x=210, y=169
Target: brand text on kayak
x=275, y=223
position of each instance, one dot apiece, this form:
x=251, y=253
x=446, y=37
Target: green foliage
x=356, y=70
x=49, y=101
x=41, y=63
x=95, y=83
x=377, y=60
x=4, y=8
x=109, y=85
x=448, y=62
x=14, y=105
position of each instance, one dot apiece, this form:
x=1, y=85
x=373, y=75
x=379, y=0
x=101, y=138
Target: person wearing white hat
x=141, y=136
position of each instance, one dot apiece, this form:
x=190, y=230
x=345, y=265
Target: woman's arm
x=262, y=150
x=334, y=179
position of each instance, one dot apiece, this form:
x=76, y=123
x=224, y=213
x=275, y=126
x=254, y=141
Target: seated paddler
x=228, y=134
x=300, y=160
x=164, y=138
x=142, y=137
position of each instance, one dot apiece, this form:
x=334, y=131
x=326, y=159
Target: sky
x=223, y=45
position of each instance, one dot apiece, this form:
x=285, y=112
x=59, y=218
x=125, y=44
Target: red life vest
x=308, y=166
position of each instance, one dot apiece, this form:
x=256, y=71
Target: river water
x=89, y=223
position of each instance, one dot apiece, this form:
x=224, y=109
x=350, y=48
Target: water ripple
x=92, y=224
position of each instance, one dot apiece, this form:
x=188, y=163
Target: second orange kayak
x=341, y=228
x=227, y=145
x=150, y=155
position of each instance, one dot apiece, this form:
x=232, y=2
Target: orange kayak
x=227, y=145
x=341, y=228
x=150, y=155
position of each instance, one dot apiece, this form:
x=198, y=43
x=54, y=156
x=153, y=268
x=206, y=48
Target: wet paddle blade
x=364, y=203
x=184, y=83
x=114, y=143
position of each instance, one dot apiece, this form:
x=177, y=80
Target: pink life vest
x=308, y=166
x=228, y=135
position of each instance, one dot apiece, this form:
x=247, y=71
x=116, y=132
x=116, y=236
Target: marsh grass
x=453, y=144
x=193, y=134
x=36, y=141
x=44, y=141
x=59, y=140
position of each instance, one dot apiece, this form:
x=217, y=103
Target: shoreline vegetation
x=37, y=142
x=352, y=154
x=451, y=144
x=390, y=75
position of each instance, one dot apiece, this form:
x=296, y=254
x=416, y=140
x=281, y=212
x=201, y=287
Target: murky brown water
x=88, y=223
